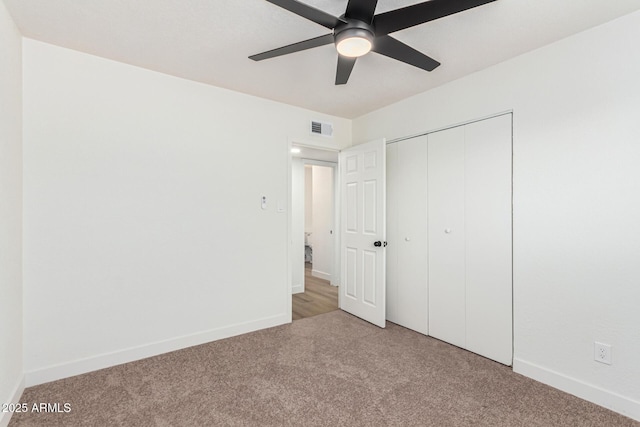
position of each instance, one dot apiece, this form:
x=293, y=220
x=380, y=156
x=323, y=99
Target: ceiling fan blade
x=311, y=13
x=362, y=10
x=345, y=66
x=420, y=13
x=388, y=46
x=296, y=47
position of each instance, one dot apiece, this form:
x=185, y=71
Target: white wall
x=11, y=383
x=143, y=230
x=576, y=106
x=308, y=200
x=323, y=213
x=297, y=225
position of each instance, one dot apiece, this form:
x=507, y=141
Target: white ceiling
x=209, y=41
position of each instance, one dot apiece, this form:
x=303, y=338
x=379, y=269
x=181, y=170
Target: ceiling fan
x=360, y=31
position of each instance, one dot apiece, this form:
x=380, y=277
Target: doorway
x=314, y=270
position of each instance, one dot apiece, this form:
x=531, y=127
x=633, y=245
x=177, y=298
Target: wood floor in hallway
x=318, y=297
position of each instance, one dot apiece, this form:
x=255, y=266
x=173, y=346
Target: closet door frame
x=505, y=360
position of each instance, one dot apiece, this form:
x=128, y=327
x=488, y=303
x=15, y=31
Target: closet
x=449, y=259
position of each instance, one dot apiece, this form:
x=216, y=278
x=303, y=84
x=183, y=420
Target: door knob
x=447, y=230
x=379, y=243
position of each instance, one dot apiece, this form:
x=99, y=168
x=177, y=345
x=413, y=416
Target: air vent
x=322, y=129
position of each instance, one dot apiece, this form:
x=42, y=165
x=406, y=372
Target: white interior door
x=362, y=229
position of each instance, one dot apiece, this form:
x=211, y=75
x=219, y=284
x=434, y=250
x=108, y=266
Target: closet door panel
x=393, y=211
x=412, y=234
x=446, y=247
x=488, y=238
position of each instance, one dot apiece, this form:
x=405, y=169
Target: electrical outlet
x=602, y=353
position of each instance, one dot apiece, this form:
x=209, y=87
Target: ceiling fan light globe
x=354, y=42
x=354, y=47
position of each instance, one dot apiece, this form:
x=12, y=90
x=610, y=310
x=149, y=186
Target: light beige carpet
x=328, y=370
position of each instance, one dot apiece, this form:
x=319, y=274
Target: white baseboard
x=610, y=400
x=102, y=361
x=321, y=275
x=297, y=289
x=5, y=417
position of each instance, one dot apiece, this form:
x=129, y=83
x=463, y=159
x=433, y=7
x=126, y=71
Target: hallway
x=318, y=297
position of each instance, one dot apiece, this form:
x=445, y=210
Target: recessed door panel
x=351, y=164
x=351, y=209
x=369, y=211
x=370, y=160
x=369, y=269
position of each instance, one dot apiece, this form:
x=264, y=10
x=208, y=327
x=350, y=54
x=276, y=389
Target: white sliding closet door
x=469, y=222
x=488, y=238
x=447, y=317
x=407, y=233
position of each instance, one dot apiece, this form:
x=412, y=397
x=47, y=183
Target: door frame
x=335, y=277
x=366, y=314
x=335, y=265
x=464, y=123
